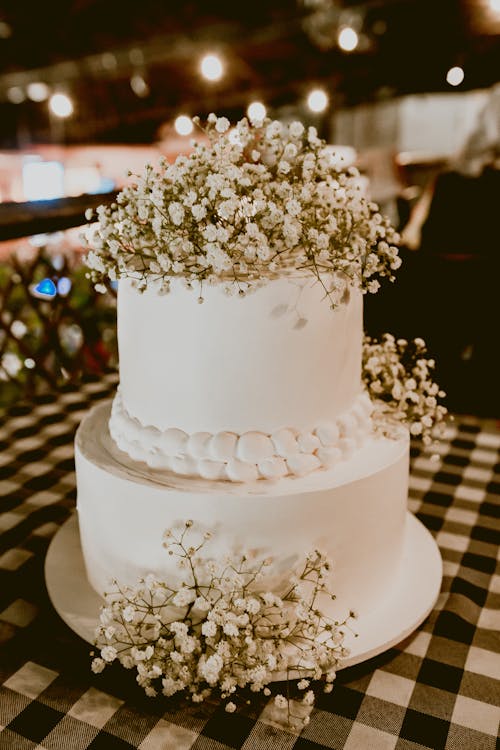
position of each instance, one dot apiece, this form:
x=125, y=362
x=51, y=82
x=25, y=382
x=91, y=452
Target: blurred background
x=407, y=90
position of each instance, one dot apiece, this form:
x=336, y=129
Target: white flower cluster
x=217, y=631
x=256, y=202
x=398, y=377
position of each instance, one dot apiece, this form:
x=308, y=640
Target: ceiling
x=274, y=51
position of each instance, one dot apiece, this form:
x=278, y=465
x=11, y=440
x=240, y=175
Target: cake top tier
x=249, y=203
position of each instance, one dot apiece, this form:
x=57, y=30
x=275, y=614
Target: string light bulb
x=317, y=101
x=183, y=125
x=212, y=68
x=61, y=105
x=256, y=112
x=455, y=76
x=16, y=95
x=139, y=85
x=37, y=91
x=348, y=39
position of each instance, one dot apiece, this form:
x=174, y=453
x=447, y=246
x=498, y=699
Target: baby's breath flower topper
x=398, y=376
x=249, y=203
x=217, y=630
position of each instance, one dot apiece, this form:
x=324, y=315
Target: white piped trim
x=243, y=458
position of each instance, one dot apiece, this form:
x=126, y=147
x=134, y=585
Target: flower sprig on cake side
x=254, y=202
x=398, y=375
x=216, y=630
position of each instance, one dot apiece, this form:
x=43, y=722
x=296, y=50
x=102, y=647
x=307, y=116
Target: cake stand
x=406, y=606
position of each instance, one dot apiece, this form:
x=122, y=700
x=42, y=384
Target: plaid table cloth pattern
x=438, y=689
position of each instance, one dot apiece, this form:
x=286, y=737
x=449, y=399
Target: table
x=436, y=690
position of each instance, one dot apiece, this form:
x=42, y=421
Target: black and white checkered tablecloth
x=438, y=689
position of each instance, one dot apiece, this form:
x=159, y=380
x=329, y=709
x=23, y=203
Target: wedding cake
x=241, y=404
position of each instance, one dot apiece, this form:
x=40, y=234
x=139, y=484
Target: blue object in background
x=64, y=286
x=45, y=289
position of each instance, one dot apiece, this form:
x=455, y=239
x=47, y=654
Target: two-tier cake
x=246, y=413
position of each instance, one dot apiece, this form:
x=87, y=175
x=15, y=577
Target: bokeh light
x=348, y=39
x=317, y=101
x=183, y=125
x=256, y=112
x=455, y=76
x=212, y=68
x=61, y=105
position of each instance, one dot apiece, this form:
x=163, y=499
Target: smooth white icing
x=240, y=457
x=237, y=365
x=354, y=513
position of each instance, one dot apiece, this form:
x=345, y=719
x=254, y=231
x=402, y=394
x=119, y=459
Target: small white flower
x=184, y=597
x=230, y=707
x=293, y=207
x=209, y=628
x=230, y=629
x=280, y=701
x=222, y=124
x=199, y=212
x=274, y=129
x=176, y=212
x=97, y=665
x=252, y=605
x=296, y=129
x=284, y=166
x=128, y=613
x=109, y=653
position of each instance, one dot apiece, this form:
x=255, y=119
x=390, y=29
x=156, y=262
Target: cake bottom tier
x=355, y=513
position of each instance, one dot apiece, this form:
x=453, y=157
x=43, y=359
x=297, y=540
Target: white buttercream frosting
x=277, y=357
x=243, y=458
x=360, y=504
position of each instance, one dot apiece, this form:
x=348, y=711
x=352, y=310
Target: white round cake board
x=413, y=593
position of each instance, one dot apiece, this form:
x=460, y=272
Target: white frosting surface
x=277, y=357
x=242, y=458
x=355, y=513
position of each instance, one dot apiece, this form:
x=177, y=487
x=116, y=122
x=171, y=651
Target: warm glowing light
x=61, y=105
x=38, y=91
x=495, y=6
x=16, y=95
x=317, y=101
x=348, y=39
x=256, y=112
x=183, y=125
x=455, y=76
x=139, y=85
x=211, y=68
